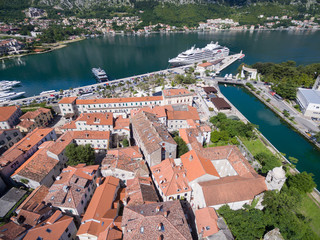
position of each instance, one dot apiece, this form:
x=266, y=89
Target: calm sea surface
x=123, y=56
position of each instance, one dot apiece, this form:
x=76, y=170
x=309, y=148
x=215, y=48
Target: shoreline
x=63, y=44
x=55, y=46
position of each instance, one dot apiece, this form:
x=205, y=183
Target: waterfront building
x=152, y=138
x=33, y=119
x=102, y=214
x=140, y=190
x=8, y=137
x=73, y=188
x=309, y=101
x=67, y=107
x=22, y=150
x=9, y=116
x=122, y=106
x=171, y=180
x=124, y=163
x=177, y=96
x=58, y=226
x=165, y=220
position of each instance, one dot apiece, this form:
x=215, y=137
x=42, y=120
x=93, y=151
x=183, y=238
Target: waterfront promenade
x=227, y=61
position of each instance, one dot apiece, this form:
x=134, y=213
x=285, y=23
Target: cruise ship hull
x=209, y=53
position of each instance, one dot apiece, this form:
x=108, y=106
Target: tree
x=268, y=161
x=80, y=154
x=302, y=181
x=182, y=146
x=125, y=143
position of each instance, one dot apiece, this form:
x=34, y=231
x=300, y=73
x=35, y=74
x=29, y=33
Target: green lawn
x=255, y=146
x=312, y=211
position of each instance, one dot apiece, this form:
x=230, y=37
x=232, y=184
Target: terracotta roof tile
x=6, y=112
x=99, y=209
x=163, y=220
x=206, y=220
x=96, y=118
x=175, y=92
x=91, y=134
x=26, y=124
x=51, y=229
x=206, y=64
x=197, y=166
x=24, y=145
x=182, y=112
x=11, y=231
x=117, y=100
x=67, y=100
x=34, y=114
x=69, y=187
x=232, y=189
x=122, y=123
x=39, y=165
x=140, y=190
x=171, y=177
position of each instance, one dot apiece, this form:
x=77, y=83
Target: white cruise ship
x=212, y=51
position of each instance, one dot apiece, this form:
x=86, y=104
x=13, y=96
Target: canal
x=275, y=130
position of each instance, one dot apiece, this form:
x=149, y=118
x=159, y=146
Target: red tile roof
x=91, y=134
x=67, y=100
x=39, y=165
x=118, y=100
x=182, y=112
x=206, y=220
x=122, y=123
x=53, y=228
x=175, y=92
x=165, y=220
x=96, y=118
x=232, y=189
x=197, y=166
x=171, y=177
x=24, y=145
x=206, y=64
x=6, y=112
x=99, y=208
x=11, y=231
x=140, y=190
